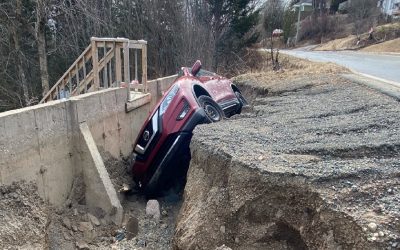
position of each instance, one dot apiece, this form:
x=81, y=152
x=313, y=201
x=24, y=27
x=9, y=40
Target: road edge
x=381, y=85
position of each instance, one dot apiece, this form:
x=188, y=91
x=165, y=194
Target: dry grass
x=292, y=68
x=346, y=43
x=382, y=33
x=389, y=46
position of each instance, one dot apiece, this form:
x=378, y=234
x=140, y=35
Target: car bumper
x=147, y=172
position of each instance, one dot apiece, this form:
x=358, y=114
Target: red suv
x=161, y=155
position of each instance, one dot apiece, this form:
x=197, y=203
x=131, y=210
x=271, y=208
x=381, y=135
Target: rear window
x=201, y=73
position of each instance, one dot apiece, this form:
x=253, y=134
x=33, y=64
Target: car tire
x=242, y=102
x=213, y=111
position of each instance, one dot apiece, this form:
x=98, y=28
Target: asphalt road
x=382, y=66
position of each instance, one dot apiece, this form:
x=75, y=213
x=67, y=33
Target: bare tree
x=273, y=19
x=40, y=35
x=360, y=12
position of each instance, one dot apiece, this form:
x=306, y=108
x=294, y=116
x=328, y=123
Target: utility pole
x=298, y=24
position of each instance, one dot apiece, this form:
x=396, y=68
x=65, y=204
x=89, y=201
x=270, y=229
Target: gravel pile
x=23, y=217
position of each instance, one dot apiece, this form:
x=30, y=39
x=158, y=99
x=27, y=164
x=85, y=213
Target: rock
x=222, y=229
x=132, y=228
x=372, y=227
x=153, y=209
x=74, y=228
x=223, y=247
x=164, y=212
x=381, y=234
x=66, y=236
x=394, y=244
x=94, y=219
x=85, y=226
x=80, y=244
x=89, y=235
x=66, y=222
x=390, y=191
x=163, y=226
x=75, y=212
x=237, y=240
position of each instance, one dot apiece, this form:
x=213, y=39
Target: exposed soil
x=314, y=164
x=23, y=217
x=27, y=222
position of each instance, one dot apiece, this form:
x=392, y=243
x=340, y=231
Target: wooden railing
x=105, y=63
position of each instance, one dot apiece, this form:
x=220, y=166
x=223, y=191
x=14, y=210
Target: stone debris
x=153, y=209
x=223, y=247
x=93, y=219
x=372, y=227
x=84, y=226
x=80, y=244
x=66, y=222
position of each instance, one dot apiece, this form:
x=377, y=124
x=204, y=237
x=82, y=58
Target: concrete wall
x=41, y=143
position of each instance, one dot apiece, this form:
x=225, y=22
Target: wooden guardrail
x=105, y=63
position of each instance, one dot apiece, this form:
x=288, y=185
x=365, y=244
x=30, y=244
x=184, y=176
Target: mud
x=314, y=164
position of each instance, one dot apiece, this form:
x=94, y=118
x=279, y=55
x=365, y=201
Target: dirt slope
x=385, y=35
x=314, y=165
x=389, y=46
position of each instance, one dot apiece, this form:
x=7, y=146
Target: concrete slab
x=99, y=192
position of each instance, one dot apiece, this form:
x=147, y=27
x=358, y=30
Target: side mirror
x=196, y=67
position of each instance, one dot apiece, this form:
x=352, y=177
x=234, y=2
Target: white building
x=390, y=7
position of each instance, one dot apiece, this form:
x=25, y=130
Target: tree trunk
x=17, y=47
x=40, y=32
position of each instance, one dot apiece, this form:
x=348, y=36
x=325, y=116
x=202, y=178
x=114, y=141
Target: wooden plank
x=144, y=67
x=90, y=75
x=84, y=73
x=136, y=64
x=70, y=84
x=110, y=74
x=118, y=65
x=84, y=84
x=85, y=53
x=95, y=61
x=77, y=75
x=106, y=39
x=133, y=45
x=105, y=69
x=127, y=76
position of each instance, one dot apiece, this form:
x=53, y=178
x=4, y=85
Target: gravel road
x=339, y=137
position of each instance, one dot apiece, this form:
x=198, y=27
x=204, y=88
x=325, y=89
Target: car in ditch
x=161, y=152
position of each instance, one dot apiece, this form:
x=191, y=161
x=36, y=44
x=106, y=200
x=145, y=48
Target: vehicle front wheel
x=213, y=111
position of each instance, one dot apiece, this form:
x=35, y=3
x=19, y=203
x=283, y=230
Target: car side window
x=203, y=72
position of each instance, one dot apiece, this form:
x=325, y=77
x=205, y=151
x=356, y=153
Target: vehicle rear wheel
x=213, y=111
x=242, y=102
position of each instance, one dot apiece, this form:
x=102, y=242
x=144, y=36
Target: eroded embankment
x=315, y=165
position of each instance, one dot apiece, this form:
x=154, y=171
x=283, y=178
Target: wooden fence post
x=95, y=62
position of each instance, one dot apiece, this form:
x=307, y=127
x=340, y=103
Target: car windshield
x=201, y=73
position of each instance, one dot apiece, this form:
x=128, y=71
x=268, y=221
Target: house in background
x=321, y=5
x=390, y=7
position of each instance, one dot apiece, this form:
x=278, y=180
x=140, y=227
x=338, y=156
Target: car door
x=218, y=87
